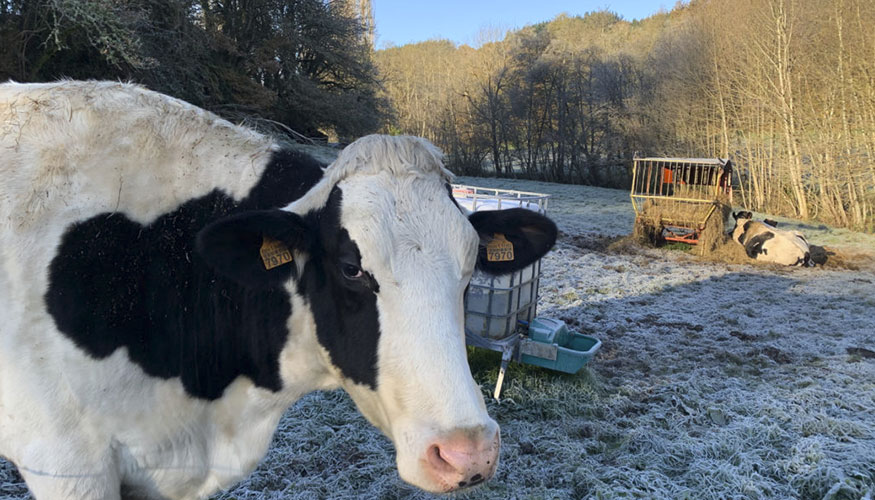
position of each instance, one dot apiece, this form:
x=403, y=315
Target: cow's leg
x=71, y=473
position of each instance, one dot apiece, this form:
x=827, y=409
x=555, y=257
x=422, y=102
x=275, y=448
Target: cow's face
x=386, y=256
x=741, y=218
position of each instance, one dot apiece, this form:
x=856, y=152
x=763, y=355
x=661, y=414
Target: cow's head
x=383, y=256
x=742, y=214
x=741, y=218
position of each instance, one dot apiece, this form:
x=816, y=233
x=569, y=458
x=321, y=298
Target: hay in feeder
x=714, y=236
x=656, y=214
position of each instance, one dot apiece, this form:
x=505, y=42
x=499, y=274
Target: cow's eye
x=351, y=271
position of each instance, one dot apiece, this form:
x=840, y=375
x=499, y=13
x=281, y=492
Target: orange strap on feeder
x=666, y=175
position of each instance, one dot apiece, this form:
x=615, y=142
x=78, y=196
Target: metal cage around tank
x=495, y=305
x=499, y=309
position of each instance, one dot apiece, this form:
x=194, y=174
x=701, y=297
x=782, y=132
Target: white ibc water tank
x=495, y=304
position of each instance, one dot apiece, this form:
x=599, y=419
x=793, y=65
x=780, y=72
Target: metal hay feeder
x=676, y=198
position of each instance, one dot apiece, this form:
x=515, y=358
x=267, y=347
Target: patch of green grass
x=485, y=365
x=677, y=246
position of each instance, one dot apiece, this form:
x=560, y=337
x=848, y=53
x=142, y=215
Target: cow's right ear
x=254, y=248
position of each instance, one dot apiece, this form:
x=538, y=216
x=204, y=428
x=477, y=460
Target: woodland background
x=785, y=88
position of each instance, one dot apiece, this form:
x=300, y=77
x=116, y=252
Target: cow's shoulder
x=749, y=230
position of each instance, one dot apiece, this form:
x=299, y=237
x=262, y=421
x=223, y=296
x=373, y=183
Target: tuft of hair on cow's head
x=254, y=248
x=743, y=214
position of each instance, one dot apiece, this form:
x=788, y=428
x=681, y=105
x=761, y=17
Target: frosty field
x=714, y=381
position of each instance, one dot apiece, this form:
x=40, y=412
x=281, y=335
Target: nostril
x=437, y=460
x=461, y=459
x=475, y=483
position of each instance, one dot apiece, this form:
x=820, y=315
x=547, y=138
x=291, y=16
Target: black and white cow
x=764, y=241
x=148, y=349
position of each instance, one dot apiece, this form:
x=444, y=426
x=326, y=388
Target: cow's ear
x=511, y=239
x=254, y=248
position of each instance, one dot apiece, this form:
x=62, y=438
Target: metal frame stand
x=511, y=348
x=508, y=347
x=505, y=360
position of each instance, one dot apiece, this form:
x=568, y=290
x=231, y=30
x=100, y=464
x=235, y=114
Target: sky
x=399, y=22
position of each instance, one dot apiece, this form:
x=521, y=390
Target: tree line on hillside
x=306, y=64
x=531, y=105
x=785, y=88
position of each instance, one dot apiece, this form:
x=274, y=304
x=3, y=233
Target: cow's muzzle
x=462, y=459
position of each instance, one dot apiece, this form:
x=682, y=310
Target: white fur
x=77, y=427
x=420, y=245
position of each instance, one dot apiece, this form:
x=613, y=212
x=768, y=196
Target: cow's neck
x=118, y=284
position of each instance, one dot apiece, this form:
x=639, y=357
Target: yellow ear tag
x=274, y=253
x=499, y=249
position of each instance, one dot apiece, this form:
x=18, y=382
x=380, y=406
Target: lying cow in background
x=764, y=241
x=171, y=283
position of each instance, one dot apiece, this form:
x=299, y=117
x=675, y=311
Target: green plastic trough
x=553, y=346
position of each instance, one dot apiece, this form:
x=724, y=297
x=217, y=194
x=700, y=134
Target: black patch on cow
x=754, y=246
x=345, y=310
x=115, y=283
x=288, y=176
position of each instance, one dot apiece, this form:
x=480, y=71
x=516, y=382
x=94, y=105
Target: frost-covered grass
x=714, y=381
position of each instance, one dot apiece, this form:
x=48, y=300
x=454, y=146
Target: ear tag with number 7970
x=274, y=253
x=499, y=249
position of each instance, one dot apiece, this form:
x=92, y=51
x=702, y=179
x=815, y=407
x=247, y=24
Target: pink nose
x=462, y=459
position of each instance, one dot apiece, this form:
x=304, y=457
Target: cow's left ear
x=254, y=248
x=511, y=239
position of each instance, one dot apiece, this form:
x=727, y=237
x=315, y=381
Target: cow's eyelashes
x=351, y=271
